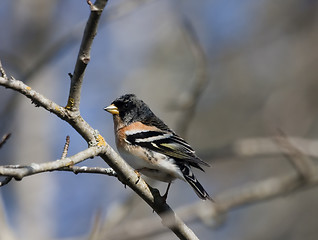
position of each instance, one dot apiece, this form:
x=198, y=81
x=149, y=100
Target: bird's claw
x=138, y=175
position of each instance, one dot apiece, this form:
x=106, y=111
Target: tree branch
x=19, y=172
x=73, y=118
x=97, y=144
x=84, y=54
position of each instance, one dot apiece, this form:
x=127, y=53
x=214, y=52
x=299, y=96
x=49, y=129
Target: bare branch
x=18, y=172
x=84, y=54
x=36, y=98
x=84, y=169
x=73, y=118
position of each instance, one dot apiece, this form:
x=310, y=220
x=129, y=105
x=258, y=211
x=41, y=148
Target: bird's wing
x=167, y=143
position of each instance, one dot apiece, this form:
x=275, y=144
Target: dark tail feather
x=193, y=181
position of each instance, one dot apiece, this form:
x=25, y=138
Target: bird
x=148, y=145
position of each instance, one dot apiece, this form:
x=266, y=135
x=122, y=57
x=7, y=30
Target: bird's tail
x=193, y=181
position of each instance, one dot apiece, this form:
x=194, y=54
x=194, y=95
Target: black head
x=131, y=109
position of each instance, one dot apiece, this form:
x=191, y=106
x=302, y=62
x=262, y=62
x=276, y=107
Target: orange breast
x=121, y=132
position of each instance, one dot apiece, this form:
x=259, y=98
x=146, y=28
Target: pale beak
x=112, y=109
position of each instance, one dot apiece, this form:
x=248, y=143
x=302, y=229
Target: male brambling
x=151, y=147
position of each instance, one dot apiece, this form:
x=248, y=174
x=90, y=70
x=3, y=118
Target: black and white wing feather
x=172, y=145
x=167, y=143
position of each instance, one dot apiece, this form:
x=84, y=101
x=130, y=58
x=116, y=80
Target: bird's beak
x=112, y=109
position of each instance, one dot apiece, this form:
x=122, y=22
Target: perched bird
x=151, y=147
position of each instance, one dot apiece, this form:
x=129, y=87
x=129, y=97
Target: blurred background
x=215, y=71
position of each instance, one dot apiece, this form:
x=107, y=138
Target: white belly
x=152, y=164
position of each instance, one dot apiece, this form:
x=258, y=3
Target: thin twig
x=84, y=169
x=66, y=146
x=4, y=139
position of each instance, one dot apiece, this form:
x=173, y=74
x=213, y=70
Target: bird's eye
x=126, y=105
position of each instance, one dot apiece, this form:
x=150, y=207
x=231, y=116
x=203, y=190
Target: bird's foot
x=138, y=175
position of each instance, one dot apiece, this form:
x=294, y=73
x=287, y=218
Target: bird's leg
x=165, y=196
x=137, y=171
